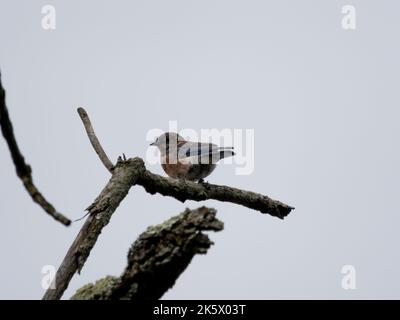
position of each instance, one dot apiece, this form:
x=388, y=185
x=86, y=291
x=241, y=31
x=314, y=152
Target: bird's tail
x=226, y=152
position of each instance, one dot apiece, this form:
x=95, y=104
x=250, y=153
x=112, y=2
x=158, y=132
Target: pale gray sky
x=323, y=103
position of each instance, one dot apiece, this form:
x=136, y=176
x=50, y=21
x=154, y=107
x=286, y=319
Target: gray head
x=167, y=141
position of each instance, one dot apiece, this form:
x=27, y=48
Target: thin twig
x=94, y=141
x=23, y=170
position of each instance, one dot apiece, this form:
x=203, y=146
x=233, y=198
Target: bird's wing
x=206, y=153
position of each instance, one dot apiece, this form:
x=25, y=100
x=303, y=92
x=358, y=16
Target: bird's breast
x=175, y=169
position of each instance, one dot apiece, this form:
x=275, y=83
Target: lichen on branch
x=157, y=258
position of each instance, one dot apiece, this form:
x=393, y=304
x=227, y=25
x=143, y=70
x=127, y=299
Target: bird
x=188, y=160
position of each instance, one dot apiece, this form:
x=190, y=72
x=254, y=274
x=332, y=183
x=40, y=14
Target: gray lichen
x=100, y=290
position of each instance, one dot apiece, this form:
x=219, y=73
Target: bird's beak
x=152, y=144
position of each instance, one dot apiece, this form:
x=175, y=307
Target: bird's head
x=166, y=140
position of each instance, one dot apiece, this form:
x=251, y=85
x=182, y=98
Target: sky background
x=323, y=102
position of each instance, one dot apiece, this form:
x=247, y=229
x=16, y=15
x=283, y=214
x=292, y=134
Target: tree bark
x=157, y=258
x=124, y=176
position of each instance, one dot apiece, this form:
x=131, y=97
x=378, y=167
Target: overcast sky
x=323, y=103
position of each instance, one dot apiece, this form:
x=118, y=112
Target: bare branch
x=128, y=173
x=94, y=141
x=100, y=212
x=125, y=175
x=23, y=170
x=157, y=258
x=187, y=190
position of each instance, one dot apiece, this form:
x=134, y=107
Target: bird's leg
x=204, y=183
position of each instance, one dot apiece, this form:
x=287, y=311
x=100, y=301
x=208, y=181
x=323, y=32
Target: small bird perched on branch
x=189, y=160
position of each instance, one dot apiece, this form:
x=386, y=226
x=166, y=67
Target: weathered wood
x=157, y=258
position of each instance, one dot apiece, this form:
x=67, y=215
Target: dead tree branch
x=24, y=171
x=157, y=258
x=94, y=141
x=100, y=212
x=188, y=190
x=128, y=173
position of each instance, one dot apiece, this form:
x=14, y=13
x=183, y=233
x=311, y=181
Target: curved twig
x=24, y=171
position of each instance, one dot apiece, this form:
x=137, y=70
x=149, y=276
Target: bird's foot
x=122, y=158
x=205, y=184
